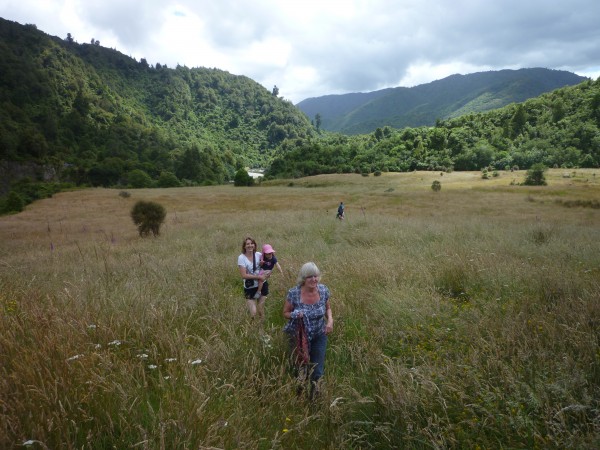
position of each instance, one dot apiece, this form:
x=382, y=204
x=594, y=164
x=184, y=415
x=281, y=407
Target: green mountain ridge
x=96, y=115
x=424, y=104
x=560, y=128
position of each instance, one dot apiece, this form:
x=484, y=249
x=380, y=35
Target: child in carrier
x=268, y=262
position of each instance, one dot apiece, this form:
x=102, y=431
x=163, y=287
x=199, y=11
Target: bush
x=148, y=217
x=167, y=180
x=535, y=175
x=242, y=178
x=139, y=179
x=436, y=186
x=14, y=202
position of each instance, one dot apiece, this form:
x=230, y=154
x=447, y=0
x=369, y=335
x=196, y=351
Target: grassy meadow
x=465, y=318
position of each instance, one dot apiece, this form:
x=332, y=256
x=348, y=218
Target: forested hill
x=95, y=116
x=557, y=129
x=422, y=105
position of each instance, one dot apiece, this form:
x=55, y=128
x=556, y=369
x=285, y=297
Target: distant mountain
x=423, y=105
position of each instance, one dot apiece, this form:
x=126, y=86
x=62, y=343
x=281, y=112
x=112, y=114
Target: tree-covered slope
x=558, y=129
x=443, y=99
x=91, y=115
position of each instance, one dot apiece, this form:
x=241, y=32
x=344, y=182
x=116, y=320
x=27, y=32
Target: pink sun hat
x=267, y=249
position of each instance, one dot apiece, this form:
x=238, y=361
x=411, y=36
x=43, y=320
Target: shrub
x=242, y=178
x=124, y=194
x=377, y=173
x=167, y=180
x=148, y=217
x=535, y=175
x=14, y=202
x=436, y=186
x=139, y=179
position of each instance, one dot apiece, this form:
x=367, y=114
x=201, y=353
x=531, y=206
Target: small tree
x=436, y=186
x=148, y=217
x=139, y=179
x=535, y=175
x=14, y=202
x=242, y=178
x=167, y=180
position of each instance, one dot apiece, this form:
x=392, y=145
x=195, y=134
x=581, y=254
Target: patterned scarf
x=301, y=349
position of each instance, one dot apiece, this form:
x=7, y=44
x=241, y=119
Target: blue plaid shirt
x=314, y=315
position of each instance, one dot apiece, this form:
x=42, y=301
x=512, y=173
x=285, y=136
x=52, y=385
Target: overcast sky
x=311, y=48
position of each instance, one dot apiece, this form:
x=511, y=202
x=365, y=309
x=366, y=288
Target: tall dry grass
x=466, y=318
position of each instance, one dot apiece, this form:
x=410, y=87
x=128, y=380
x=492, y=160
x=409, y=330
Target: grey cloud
x=495, y=34
x=131, y=22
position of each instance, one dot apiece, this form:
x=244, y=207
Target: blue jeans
x=318, y=345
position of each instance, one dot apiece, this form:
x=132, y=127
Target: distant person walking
x=341, y=211
x=310, y=320
x=268, y=262
x=249, y=265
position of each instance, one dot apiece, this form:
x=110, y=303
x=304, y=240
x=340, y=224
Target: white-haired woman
x=308, y=310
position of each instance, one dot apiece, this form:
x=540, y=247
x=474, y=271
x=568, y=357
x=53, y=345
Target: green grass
x=466, y=318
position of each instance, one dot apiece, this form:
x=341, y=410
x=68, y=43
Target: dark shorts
x=249, y=293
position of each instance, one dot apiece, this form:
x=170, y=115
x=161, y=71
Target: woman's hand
x=296, y=314
x=329, y=327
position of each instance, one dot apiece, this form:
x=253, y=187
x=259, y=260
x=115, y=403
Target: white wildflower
x=170, y=360
x=116, y=342
x=142, y=356
x=195, y=362
x=152, y=366
x=73, y=358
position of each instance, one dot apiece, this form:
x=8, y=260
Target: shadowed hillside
x=443, y=99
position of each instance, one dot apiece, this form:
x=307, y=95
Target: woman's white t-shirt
x=243, y=261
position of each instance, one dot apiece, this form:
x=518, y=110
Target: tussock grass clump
x=453, y=282
x=148, y=217
x=455, y=325
x=541, y=235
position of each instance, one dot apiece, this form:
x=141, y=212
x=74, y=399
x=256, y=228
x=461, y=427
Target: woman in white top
x=249, y=264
